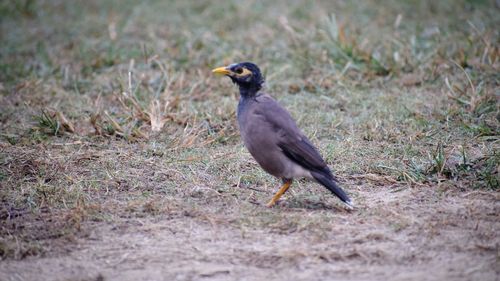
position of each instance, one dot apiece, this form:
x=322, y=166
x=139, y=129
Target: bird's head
x=245, y=74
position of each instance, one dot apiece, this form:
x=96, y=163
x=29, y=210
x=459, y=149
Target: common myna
x=272, y=136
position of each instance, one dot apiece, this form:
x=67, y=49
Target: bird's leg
x=283, y=189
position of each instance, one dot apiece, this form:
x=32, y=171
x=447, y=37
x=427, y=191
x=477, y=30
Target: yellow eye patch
x=245, y=72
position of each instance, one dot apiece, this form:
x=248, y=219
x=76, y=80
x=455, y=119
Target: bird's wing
x=290, y=139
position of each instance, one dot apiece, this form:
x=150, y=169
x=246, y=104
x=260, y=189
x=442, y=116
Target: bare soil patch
x=409, y=234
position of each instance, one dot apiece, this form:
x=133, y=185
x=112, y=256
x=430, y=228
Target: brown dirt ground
x=395, y=234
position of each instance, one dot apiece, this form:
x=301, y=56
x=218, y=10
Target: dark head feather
x=250, y=83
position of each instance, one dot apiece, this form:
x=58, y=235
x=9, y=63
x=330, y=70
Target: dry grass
x=110, y=114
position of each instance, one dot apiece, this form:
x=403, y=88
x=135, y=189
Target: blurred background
x=86, y=50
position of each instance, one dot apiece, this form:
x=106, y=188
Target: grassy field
x=120, y=156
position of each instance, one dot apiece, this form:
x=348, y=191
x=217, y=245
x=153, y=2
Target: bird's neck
x=249, y=91
x=246, y=97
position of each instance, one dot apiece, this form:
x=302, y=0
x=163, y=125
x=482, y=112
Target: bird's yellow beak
x=221, y=70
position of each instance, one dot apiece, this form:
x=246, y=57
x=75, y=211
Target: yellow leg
x=280, y=192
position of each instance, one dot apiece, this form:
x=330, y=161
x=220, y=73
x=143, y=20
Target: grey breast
x=263, y=125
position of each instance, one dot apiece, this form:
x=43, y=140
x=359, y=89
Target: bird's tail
x=330, y=183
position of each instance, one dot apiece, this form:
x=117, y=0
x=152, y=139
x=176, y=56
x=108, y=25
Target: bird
x=272, y=136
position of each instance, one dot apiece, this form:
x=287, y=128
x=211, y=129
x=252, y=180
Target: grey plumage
x=272, y=137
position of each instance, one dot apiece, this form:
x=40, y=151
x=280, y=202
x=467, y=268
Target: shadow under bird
x=272, y=136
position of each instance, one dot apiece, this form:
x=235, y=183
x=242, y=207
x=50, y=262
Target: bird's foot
x=271, y=203
x=280, y=192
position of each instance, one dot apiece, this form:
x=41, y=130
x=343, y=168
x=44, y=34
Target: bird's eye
x=238, y=70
